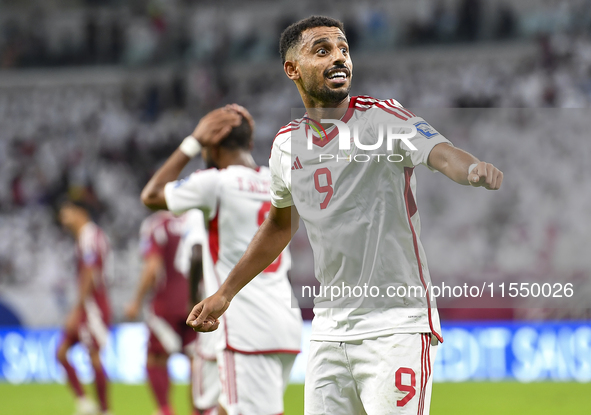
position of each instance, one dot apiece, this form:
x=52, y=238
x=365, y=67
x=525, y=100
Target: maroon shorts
x=169, y=334
x=92, y=331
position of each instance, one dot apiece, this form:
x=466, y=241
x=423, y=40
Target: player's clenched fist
x=485, y=175
x=204, y=316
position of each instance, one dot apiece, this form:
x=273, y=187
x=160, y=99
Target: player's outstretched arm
x=211, y=130
x=455, y=163
x=271, y=238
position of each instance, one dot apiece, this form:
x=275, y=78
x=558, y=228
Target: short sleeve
x=424, y=140
x=88, y=249
x=152, y=241
x=391, y=112
x=280, y=192
x=196, y=191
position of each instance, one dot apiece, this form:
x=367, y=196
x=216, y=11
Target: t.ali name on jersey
x=246, y=185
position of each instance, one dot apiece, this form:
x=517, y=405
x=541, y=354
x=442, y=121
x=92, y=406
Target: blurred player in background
x=261, y=331
x=89, y=319
x=362, y=222
x=160, y=240
x=205, y=375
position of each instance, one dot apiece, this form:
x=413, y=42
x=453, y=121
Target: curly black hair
x=239, y=137
x=293, y=34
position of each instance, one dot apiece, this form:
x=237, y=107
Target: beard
x=327, y=95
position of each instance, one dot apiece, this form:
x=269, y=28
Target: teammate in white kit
x=367, y=355
x=262, y=329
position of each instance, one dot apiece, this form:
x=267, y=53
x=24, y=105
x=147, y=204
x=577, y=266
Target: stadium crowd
x=103, y=139
x=144, y=32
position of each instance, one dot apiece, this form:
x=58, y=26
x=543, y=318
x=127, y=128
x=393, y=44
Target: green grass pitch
x=505, y=398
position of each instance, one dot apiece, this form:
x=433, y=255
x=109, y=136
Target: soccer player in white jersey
x=262, y=329
x=367, y=356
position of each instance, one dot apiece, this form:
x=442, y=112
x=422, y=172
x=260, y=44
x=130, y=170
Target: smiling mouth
x=338, y=75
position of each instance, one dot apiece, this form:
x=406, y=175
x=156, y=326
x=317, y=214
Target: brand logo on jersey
x=297, y=165
x=426, y=130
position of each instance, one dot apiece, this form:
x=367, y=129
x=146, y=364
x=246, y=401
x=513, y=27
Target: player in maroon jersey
x=160, y=238
x=88, y=320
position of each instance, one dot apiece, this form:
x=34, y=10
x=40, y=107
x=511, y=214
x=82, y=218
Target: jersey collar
x=322, y=141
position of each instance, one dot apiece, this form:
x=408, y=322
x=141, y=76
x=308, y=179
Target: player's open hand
x=204, y=316
x=216, y=125
x=486, y=175
x=244, y=112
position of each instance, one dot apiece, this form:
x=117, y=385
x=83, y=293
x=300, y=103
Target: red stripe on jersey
x=407, y=112
x=366, y=99
x=255, y=352
x=278, y=134
x=428, y=359
x=362, y=109
x=229, y=377
x=391, y=111
x=407, y=175
x=282, y=132
x=291, y=126
x=299, y=163
x=427, y=370
x=234, y=382
x=286, y=129
x=370, y=101
x=396, y=107
x=420, y=411
x=214, y=236
x=408, y=196
x=428, y=363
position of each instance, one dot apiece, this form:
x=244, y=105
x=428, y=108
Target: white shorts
x=387, y=375
x=254, y=384
x=206, y=385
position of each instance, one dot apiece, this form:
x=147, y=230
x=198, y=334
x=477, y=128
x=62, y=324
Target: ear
x=291, y=70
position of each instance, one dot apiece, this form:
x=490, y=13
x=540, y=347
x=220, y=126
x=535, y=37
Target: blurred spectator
x=469, y=20
x=505, y=22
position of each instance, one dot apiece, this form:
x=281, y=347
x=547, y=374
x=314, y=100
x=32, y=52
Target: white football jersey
x=360, y=213
x=263, y=317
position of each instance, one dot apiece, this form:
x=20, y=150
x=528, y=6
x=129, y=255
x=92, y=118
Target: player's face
x=67, y=216
x=325, y=64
